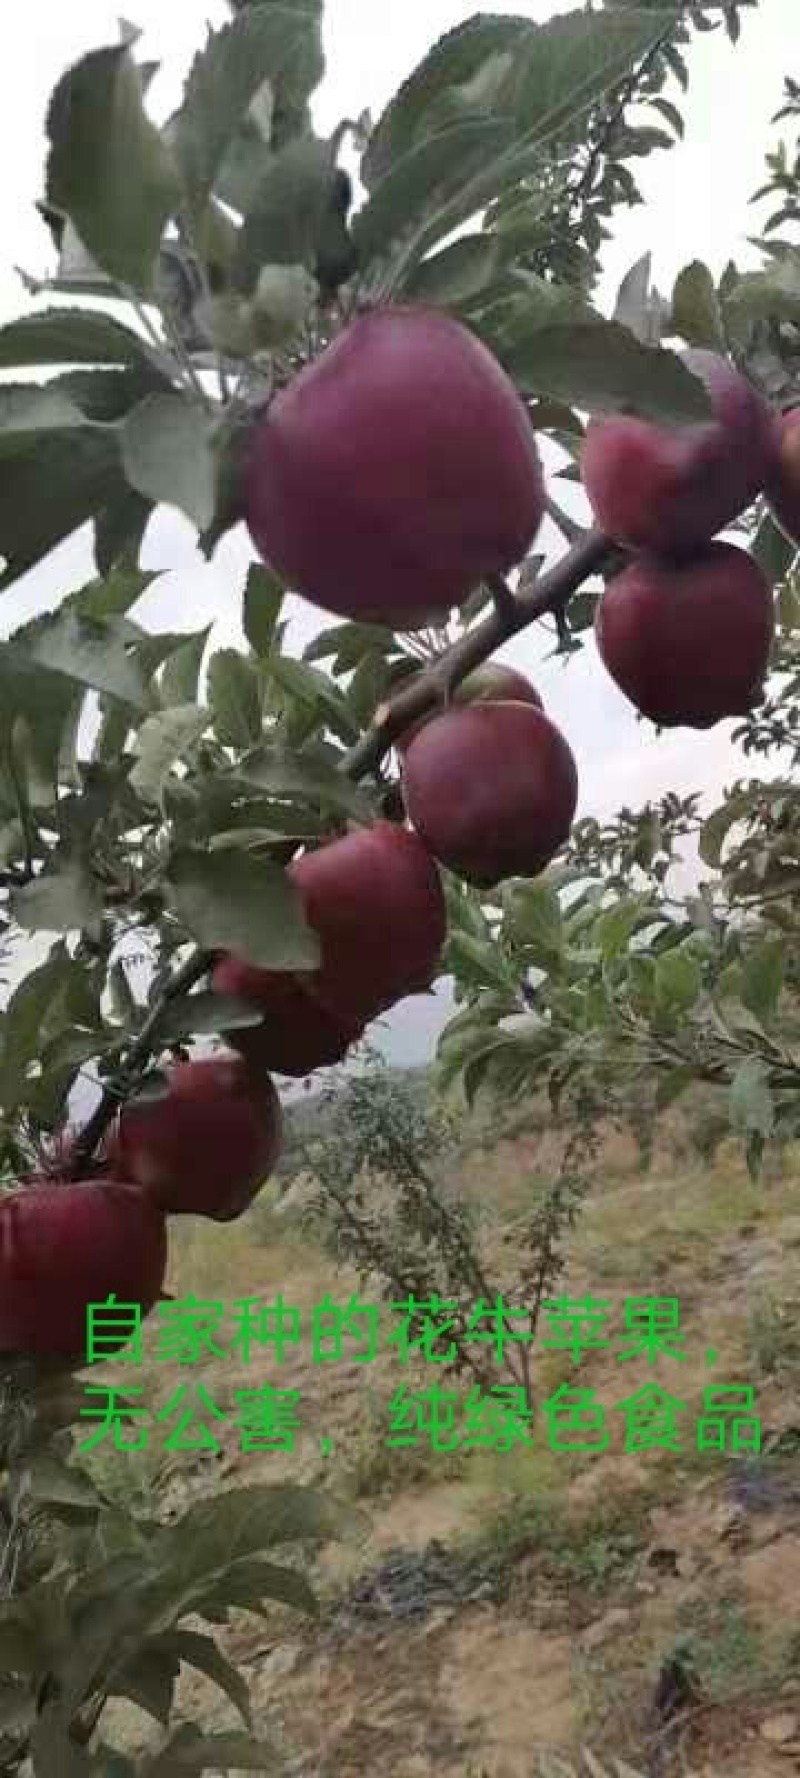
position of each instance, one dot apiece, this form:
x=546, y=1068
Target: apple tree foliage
x=151, y=787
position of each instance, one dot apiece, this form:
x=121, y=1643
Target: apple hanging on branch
x=385, y=458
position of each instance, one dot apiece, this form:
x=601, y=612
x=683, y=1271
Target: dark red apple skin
x=376, y=900
x=395, y=472
x=209, y=1144
x=783, y=485
x=65, y=1246
x=688, y=643
x=671, y=490
x=491, y=683
x=298, y=1034
x=492, y=790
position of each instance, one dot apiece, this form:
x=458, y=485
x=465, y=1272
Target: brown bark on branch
x=550, y=593
x=191, y=972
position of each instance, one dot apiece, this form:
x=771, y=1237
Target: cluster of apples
x=385, y=482
x=205, y=1147
x=686, y=629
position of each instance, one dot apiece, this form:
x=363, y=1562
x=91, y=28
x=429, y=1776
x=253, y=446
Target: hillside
x=507, y=1605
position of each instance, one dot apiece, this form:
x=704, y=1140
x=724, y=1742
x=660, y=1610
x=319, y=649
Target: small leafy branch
x=380, y=1206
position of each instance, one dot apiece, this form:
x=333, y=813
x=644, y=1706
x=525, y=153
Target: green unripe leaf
x=109, y=169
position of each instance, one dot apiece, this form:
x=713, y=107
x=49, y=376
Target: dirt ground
x=503, y=1608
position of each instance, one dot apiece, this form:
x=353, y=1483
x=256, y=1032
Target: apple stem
x=590, y=554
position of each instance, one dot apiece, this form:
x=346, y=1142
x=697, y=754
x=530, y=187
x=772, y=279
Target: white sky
x=696, y=206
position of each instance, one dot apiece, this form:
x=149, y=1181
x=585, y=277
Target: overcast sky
x=697, y=206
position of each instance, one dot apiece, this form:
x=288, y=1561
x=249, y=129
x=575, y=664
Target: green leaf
x=750, y=1100
x=49, y=1482
x=635, y=307
x=696, y=314
x=204, y=1015
x=232, y=902
x=773, y=551
x=214, y=1535
x=773, y=295
x=351, y=643
x=317, y=692
x=558, y=71
x=163, y=739
x=278, y=43
x=185, y=1564
x=25, y=409
x=263, y=597
x=148, y=1679
x=119, y=530
x=50, y=485
x=678, y=981
x=716, y=829
x=113, y=1764
x=475, y=960
x=109, y=169
x=789, y=605
x=284, y=224
x=189, y=1753
x=37, y=1010
x=533, y=912
x=461, y=272
x=616, y=926
x=20, y=1651
x=70, y=336
x=180, y=675
x=432, y=174
x=65, y=898
x=762, y=979
x=169, y=456
x=250, y=1583
x=85, y=650
x=601, y=368
x=53, y=1750
x=202, y=1653
x=234, y=693
x=17, y=1707
x=308, y=776
x=453, y=61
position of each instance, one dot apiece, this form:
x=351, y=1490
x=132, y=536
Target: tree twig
x=191, y=972
x=550, y=593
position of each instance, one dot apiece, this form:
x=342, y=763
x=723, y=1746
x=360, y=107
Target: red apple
x=209, y=1144
x=375, y=897
x=395, y=472
x=64, y=1247
x=492, y=790
x=783, y=485
x=672, y=490
x=492, y=683
x=376, y=900
x=298, y=1034
x=688, y=643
